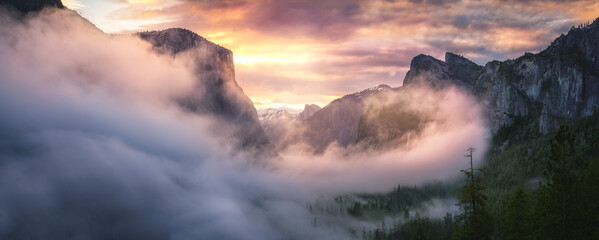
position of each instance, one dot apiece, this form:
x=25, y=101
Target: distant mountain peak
x=274, y=114
x=309, y=110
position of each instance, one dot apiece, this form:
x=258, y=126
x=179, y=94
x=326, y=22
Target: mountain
x=317, y=127
x=272, y=114
x=558, y=85
x=217, y=93
x=309, y=110
x=283, y=128
x=454, y=71
x=338, y=121
x=31, y=5
x=390, y=120
x=277, y=124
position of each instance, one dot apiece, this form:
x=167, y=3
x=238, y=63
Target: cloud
x=319, y=41
x=436, y=152
x=93, y=145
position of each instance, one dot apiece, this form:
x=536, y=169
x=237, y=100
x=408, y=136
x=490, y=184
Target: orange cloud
x=285, y=49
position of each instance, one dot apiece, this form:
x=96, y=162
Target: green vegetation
x=416, y=228
x=475, y=221
x=518, y=210
x=398, y=202
x=532, y=186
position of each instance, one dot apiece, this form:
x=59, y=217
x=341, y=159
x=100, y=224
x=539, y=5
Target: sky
x=90, y=151
x=294, y=52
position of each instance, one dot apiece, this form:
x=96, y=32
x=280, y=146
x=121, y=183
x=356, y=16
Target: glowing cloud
x=99, y=148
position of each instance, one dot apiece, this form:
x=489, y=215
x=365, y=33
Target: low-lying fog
x=92, y=146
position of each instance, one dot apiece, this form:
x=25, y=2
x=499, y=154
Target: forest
x=530, y=186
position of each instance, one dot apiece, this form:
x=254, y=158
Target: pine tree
x=475, y=221
x=517, y=215
x=588, y=220
x=558, y=206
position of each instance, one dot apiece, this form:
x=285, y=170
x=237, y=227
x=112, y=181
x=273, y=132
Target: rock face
x=454, y=71
x=217, y=91
x=317, y=127
x=309, y=110
x=389, y=120
x=560, y=84
x=31, y=5
x=338, y=121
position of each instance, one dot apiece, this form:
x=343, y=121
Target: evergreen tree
x=475, y=221
x=517, y=215
x=558, y=206
x=588, y=220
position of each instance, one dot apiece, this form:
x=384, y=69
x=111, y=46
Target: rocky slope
x=217, y=92
x=559, y=84
x=309, y=110
x=390, y=119
x=339, y=120
x=317, y=127
x=454, y=71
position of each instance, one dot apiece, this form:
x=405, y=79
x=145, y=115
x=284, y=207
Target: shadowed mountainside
x=217, y=92
x=31, y=5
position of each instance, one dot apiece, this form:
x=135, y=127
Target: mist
x=93, y=145
x=436, y=152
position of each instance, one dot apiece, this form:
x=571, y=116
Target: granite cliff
x=217, y=92
x=559, y=84
x=338, y=121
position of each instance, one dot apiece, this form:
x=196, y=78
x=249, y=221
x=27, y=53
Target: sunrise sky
x=292, y=52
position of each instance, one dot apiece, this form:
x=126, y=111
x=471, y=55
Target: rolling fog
x=93, y=146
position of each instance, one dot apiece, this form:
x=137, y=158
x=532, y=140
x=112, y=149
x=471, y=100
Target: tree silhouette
x=475, y=221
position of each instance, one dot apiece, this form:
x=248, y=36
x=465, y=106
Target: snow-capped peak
x=271, y=114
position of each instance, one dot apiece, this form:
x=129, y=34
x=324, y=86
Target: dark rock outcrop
x=454, y=71
x=560, y=84
x=31, y=5
x=217, y=92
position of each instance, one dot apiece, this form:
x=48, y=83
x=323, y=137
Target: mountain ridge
x=559, y=84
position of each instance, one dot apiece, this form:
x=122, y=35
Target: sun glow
x=143, y=1
x=73, y=4
x=243, y=59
